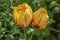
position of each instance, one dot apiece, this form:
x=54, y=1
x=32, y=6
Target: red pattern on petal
x=31, y=21
x=37, y=26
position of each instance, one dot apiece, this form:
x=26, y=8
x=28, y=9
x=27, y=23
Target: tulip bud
x=22, y=15
x=40, y=18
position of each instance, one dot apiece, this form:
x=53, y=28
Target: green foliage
x=10, y=31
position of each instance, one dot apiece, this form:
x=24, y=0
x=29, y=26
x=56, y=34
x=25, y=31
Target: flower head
x=40, y=18
x=22, y=15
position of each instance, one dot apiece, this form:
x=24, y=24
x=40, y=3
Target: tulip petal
x=15, y=13
x=44, y=21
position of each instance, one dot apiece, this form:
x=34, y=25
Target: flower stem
x=25, y=33
x=31, y=36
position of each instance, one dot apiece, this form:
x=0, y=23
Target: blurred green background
x=10, y=31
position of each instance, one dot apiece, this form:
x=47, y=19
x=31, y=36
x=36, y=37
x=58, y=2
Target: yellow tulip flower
x=40, y=18
x=22, y=15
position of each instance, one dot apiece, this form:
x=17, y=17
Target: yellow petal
x=44, y=21
x=15, y=13
x=36, y=17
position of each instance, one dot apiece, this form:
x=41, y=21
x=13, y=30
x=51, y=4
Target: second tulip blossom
x=40, y=18
x=22, y=15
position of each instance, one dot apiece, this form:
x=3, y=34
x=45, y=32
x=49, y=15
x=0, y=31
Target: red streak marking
x=22, y=25
x=36, y=26
x=31, y=21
